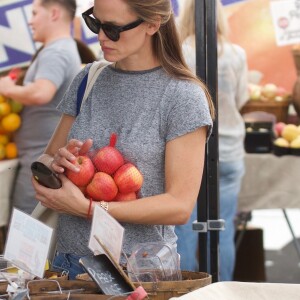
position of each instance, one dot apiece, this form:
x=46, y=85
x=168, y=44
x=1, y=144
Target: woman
x=161, y=113
x=232, y=95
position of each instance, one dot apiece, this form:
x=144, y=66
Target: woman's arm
x=69, y=198
x=184, y=161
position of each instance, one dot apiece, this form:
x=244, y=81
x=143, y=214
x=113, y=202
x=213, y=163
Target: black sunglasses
x=111, y=31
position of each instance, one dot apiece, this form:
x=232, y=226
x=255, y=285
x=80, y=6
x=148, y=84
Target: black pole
x=208, y=198
x=201, y=66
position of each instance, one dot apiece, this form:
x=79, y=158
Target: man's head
x=51, y=19
x=68, y=5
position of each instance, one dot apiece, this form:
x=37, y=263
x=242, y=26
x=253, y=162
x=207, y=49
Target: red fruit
x=86, y=173
x=102, y=187
x=128, y=178
x=125, y=197
x=278, y=127
x=108, y=159
x=83, y=189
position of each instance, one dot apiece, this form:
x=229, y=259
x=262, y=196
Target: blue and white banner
x=16, y=44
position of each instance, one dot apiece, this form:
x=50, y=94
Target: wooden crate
x=277, y=108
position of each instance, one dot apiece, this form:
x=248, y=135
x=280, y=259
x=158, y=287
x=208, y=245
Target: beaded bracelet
x=104, y=205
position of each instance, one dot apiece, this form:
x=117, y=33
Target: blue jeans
x=231, y=174
x=187, y=244
x=68, y=263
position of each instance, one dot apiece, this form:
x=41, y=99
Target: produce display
x=106, y=175
x=287, y=139
x=267, y=92
x=10, y=121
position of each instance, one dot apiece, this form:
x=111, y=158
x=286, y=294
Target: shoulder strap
x=88, y=82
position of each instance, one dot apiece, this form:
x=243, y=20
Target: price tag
x=109, y=231
x=28, y=243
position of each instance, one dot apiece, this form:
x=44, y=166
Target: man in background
x=45, y=82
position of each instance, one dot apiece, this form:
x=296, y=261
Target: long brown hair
x=166, y=43
x=187, y=23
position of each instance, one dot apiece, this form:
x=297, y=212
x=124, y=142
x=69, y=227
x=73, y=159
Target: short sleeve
x=190, y=111
x=53, y=68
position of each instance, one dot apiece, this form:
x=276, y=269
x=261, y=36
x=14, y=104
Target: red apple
x=86, y=171
x=83, y=189
x=125, y=197
x=278, y=127
x=281, y=91
x=108, y=159
x=128, y=178
x=102, y=187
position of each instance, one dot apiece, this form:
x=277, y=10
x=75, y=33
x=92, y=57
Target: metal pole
x=208, y=198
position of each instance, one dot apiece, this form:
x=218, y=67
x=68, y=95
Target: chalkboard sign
x=106, y=275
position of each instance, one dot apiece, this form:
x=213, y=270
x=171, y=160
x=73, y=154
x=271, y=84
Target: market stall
x=262, y=188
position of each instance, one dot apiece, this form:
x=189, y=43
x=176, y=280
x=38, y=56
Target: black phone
x=44, y=176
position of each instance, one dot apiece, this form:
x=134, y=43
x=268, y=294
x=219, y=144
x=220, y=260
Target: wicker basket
x=164, y=290
x=277, y=108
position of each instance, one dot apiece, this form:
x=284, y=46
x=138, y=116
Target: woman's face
x=132, y=43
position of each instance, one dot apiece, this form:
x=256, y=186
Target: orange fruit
x=11, y=122
x=11, y=150
x=4, y=109
x=4, y=139
x=2, y=151
x=15, y=106
x=2, y=99
x=2, y=130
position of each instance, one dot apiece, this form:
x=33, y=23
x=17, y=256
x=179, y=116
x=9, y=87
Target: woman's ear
x=152, y=28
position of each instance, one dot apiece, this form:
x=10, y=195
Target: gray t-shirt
x=58, y=62
x=145, y=109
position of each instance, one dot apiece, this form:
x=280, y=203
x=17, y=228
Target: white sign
x=28, y=243
x=286, y=21
x=108, y=231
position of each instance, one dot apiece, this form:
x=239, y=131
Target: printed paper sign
x=28, y=243
x=286, y=21
x=109, y=231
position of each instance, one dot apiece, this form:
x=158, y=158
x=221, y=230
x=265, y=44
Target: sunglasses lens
x=92, y=24
x=111, y=32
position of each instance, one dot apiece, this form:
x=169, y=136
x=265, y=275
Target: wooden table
x=271, y=182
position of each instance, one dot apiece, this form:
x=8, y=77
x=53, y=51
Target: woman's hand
x=65, y=156
x=68, y=199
